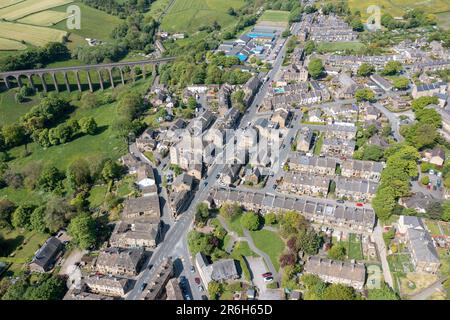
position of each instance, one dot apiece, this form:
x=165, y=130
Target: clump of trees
x=46, y=287
x=316, y=289
x=35, y=58
x=316, y=68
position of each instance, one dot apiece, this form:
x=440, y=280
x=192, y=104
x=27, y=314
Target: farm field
x=92, y=22
x=10, y=110
x=444, y=19
x=34, y=35
x=11, y=45
x=189, y=15
x=45, y=18
x=27, y=7
x=6, y=3
x=157, y=8
x=398, y=7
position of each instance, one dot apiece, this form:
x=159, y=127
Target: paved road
x=427, y=292
x=178, y=232
x=381, y=247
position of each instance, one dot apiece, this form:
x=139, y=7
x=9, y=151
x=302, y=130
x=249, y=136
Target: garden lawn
x=22, y=245
x=97, y=195
x=433, y=227
x=270, y=243
x=354, y=249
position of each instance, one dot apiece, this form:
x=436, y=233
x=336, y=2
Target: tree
x=365, y=70
x=57, y=212
x=200, y=242
x=6, y=210
x=215, y=289
x=13, y=135
x=392, y=68
x=89, y=100
x=382, y=293
x=111, y=171
x=425, y=180
x=337, y=252
x=339, y=292
x=88, y=125
x=287, y=259
x=270, y=218
x=308, y=241
x=364, y=95
x=37, y=219
x=201, y=213
x=79, y=174
x=22, y=215
x=357, y=25
x=315, y=68
x=310, y=46
x=230, y=210
x=50, y=179
x=250, y=221
x=373, y=152
x=52, y=288
x=401, y=83
x=83, y=231
x=130, y=106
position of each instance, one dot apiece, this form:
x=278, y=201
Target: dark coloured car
x=197, y=280
x=340, y=201
x=143, y=286
x=267, y=274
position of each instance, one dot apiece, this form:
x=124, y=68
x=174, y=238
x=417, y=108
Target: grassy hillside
x=189, y=15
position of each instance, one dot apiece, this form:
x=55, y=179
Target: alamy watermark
x=74, y=17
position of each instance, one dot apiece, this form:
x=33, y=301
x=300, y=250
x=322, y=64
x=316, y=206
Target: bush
x=425, y=180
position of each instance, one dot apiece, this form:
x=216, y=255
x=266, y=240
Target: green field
x=45, y=18
x=34, y=35
x=157, y=8
x=189, y=15
x=323, y=47
x=275, y=16
x=28, y=7
x=11, y=45
x=10, y=110
x=95, y=24
x=398, y=7
x=270, y=243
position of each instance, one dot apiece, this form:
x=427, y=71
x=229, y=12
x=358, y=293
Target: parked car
x=143, y=286
x=197, y=280
x=200, y=288
x=267, y=274
x=340, y=201
x=360, y=204
x=187, y=297
x=192, y=269
x=268, y=279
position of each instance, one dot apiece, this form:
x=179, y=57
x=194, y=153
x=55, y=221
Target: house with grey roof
x=221, y=270
x=425, y=257
x=135, y=234
x=369, y=170
x=143, y=207
x=381, y=82
x=355, y=189
x=353, y=218
x=332, y=271
x=336, y=147
x=302, y=184
x=46, y=257
x=429, y=89
x=109, y=286
x=119, y=261
x=312, y=165
x=304, y=139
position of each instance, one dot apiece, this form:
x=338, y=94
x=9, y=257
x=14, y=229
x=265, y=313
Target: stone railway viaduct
x=19, y=75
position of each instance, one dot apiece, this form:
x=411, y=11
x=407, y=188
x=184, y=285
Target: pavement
x=377, y=236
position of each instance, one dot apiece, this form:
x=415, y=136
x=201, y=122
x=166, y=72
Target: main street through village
x=174, y=243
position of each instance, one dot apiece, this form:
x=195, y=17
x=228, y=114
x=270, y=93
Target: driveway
x=70, y=270
x=258, y=267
